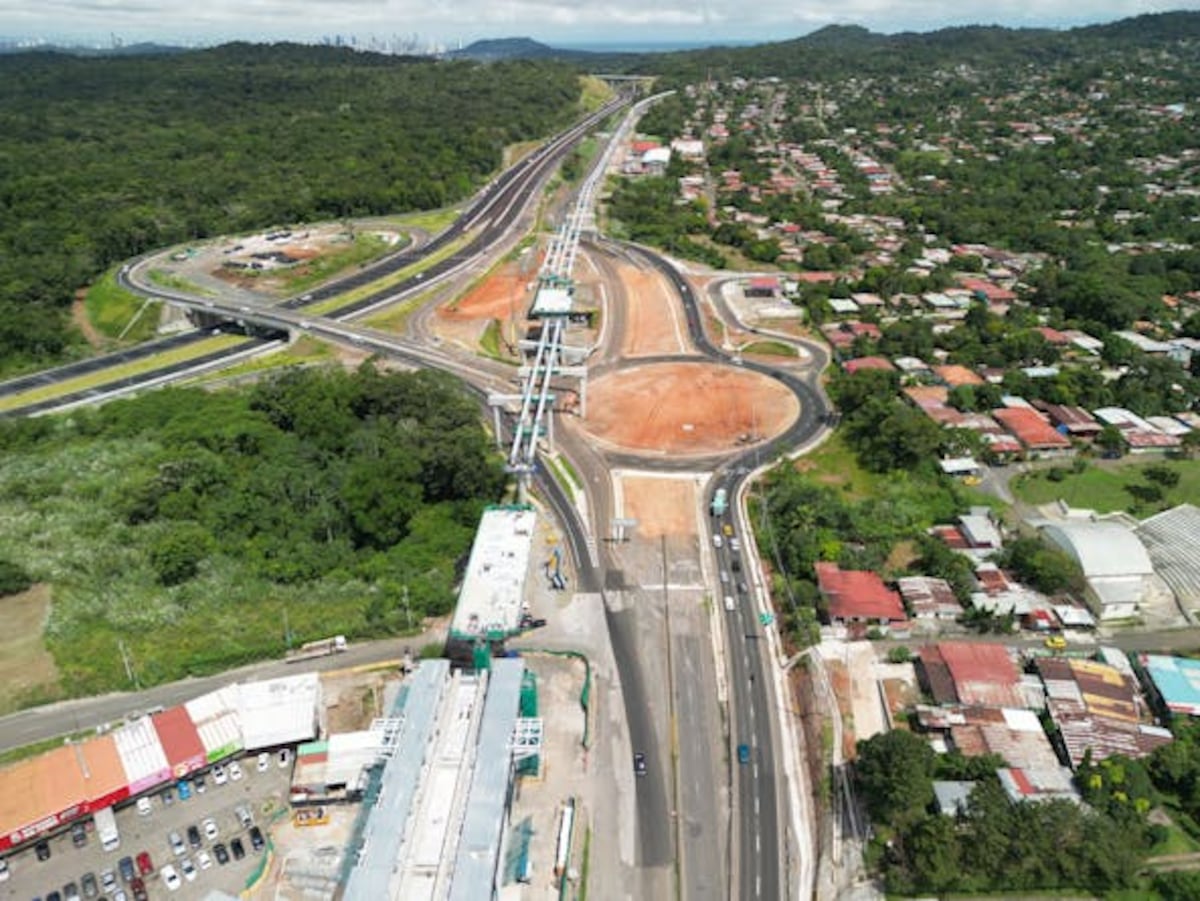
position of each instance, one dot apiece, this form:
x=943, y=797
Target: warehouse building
x=1176, y=681
x=1120, y=577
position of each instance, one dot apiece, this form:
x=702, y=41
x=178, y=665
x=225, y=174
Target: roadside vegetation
x=197, y=528
x=119, y=314
x=1135, y=810
x=279, y=133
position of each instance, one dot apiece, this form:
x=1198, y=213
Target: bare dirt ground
x=504, y=295
x=353, y=699
x=654, y=321
x=662, y=506
x=80, y=318
x=26, y=667
x=687, y=408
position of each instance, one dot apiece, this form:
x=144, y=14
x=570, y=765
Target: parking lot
x=263, y=793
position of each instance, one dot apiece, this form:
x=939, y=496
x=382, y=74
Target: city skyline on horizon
x=374, y=24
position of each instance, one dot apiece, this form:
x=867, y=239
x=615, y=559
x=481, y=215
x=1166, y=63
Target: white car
x=203, y=860
x=189, y=869
x=210, y=828
x=235, y=771
x=143, y=805
x=4, y=871
x=717, y=541
x=218, y=774
x=170, y=878
x=264, y=761
x=178, y=848
x=729, y=605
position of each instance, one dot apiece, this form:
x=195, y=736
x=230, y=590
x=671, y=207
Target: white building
x=1119, y=574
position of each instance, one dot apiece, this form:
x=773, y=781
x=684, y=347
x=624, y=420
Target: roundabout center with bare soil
x=693, y=408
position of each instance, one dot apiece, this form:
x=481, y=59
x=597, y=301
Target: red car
x=139, y=889
x=145, y=867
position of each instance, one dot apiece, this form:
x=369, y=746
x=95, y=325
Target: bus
x=719, y=503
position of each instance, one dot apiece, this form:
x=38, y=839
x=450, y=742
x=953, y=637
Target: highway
x=758, y=850
x=487, y=222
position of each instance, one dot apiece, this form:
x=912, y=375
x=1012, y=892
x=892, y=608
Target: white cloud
x=573, y=21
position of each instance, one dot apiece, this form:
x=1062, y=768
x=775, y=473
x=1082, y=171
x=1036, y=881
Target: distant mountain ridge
x=514, y=48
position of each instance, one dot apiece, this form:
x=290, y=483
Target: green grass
x=113, y=373
x=1177, y=842
x=489, y=342
x=585, y=864
x=770, y=348
x=112, y=310
x=433, y=221
x=300, y=352
x=596, y=92
x=834, y=464
x=569, y=470
x=320, y=269
x=1102, y=487
x=165, y=279
x=332, y=305
x=559, y=468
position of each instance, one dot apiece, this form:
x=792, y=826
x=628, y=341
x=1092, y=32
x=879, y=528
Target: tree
x=895, y=775
x=1111, y=441
x=1045, y=568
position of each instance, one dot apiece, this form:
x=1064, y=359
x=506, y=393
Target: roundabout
x=687, y=409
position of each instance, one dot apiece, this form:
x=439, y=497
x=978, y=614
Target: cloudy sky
x=551, y=21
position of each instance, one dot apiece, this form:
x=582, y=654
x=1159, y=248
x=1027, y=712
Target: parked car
x=144, y=865
x=143, y=806
x=89, y=885
x=218, y=774
x=184, y=788
x=243, y=815
x=108, y=879
x=193, y=836
x=53, y=896
x=70, y=892
x=5, y=874
x=188, y=868
x=175, y=840
x=78, y=835
x=42, y=850
x=138, y=887
x=125, y=868
x=256, y=838
x=171, y=878
x=203, y=860
x=264, y=761
x=210, y=828
x=235, y=771
x=220, y=853
x=168, y=797
x=285, y=757
x=237, y=849
x=1055, y=642
x=198, y=783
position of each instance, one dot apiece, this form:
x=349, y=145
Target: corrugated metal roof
x=1177, y=680
x=983, y=674
x=141, y=751
x=179, y=738
x=278, y=711
x=1172, y=539
x=215, y=717
x=102, y=769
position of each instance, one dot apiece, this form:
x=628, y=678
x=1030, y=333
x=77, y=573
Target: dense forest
x=205, y=529
x=101, y=159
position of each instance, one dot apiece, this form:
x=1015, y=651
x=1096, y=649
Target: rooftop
x=857, y=594
x=1177, y=680
x=983, y=674
x=492, y=594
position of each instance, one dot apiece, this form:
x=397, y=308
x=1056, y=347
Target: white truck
x=106, y=829
x=335, y=644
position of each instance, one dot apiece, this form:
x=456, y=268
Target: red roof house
x=1030, y=428
x=858, y=596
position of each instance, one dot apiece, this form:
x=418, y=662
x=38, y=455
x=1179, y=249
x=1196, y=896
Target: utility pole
x=130, y=673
